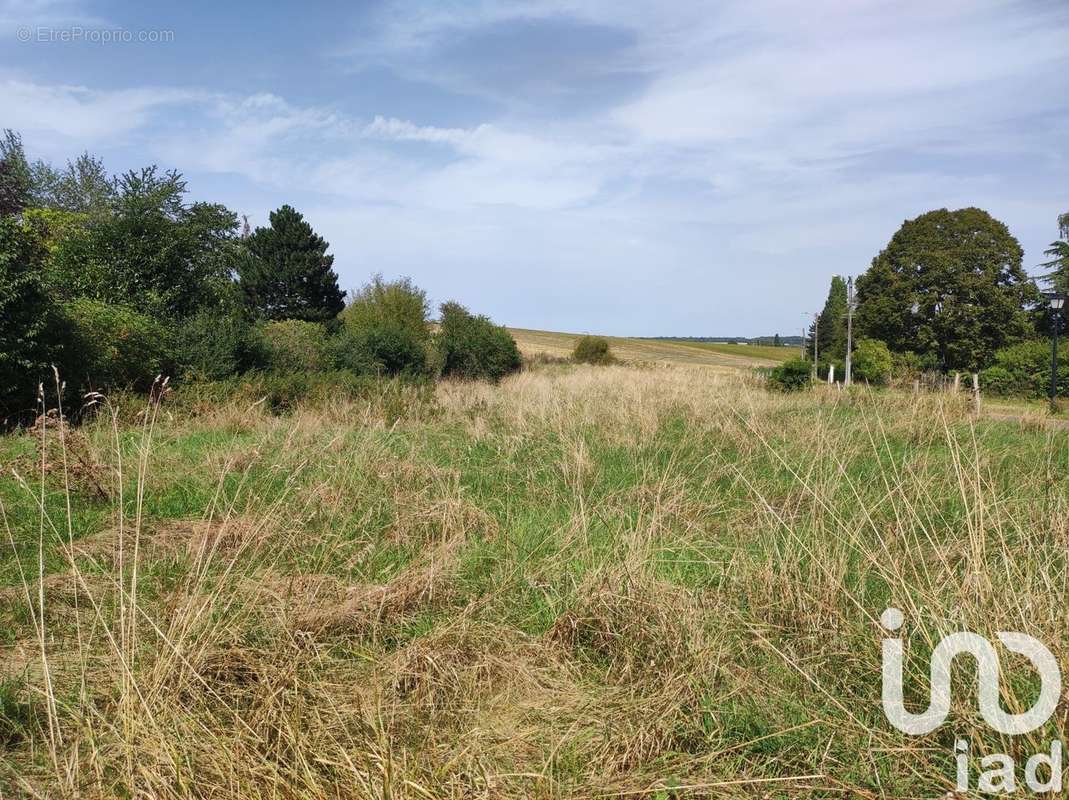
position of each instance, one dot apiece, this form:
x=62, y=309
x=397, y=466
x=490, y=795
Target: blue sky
x=617, y=167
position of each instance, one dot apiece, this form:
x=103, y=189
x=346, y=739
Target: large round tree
x=948, y=286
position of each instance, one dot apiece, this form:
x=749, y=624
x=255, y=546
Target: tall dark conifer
x=832, y=328
x=287, y=273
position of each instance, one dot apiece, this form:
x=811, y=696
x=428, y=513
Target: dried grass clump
x=488, y=710
x=422, y=518
x=633, y=625
x=424, y=585
x=468, y=667
x=198, y=539
x=66, y=456
x=242, y=722
x=649, y=640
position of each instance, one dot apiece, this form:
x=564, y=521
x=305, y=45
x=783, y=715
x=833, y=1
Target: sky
x=603, y=166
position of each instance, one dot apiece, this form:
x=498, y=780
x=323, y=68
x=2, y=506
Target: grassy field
x=585, y=582
x=777, y=354
x=657, y=350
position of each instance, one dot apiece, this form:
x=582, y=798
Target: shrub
x=1023, y=369
x=211, y=346
x=282, y=392
x=26, y=319
x=592, y=350
x=384, y=330
x=473, y=347
x=112, y=347
x=872, y=361
x=389, y=305
x=999, y=380
x=791, y=376
x=906, y=367
x=379, y=348
x=293, y=345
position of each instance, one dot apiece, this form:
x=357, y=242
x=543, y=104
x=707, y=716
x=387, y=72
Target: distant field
x=718, y=355
x=777, y=354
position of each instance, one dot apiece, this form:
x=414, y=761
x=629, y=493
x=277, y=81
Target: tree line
x=949, y=293
x=115, y=279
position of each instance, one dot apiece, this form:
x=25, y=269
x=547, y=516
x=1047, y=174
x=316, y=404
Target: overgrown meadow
x=611, y=581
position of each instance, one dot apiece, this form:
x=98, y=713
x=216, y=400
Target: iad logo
x=1001, y=778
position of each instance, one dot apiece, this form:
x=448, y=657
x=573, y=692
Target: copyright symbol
x=24, y=34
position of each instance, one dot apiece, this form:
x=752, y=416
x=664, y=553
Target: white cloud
x=80, y=113
x=404, y=131
x=763, y=147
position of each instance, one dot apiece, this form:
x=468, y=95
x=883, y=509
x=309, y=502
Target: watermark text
x=76, y=34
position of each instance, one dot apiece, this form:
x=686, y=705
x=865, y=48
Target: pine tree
x=286, y=272
x=1058, y=277
x=832, y=339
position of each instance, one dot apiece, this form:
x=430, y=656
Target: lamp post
x=1056, y=302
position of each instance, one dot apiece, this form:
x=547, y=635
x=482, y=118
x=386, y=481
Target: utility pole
x=803, y=342
x=816, y=342
x=849, y=327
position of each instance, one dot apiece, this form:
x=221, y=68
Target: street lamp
x=1056, y=302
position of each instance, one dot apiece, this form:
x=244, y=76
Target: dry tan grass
x=364, y=610
x=425, y=584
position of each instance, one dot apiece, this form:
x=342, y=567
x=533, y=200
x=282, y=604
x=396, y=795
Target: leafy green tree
x=26, y=318
x=398, y=303
x=152, y=253
x=776, y=341
x=473, y=347
x=962, y=271
x=832, y=327
x=385, y=330
x=52, y=227
x=84, y=187
x=379, y=348
x=287, y=273
x=15, y=184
